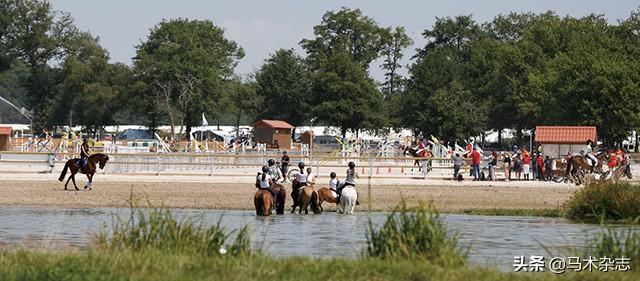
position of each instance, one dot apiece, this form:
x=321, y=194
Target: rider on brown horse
x=84, y=154
x=588, y=152
x=299, y=182
x=264, y=181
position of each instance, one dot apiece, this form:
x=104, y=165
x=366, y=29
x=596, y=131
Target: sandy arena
x=237, y=192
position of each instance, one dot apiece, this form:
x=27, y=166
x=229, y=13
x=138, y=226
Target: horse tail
x=64, y=170
x=257, y=202
x=314, y=202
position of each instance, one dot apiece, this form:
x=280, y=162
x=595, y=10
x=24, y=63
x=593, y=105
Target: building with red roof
x=275, y=133
x=556, y=141
x=5, y=135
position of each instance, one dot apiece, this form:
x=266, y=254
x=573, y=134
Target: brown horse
x=307, y=196
x=281, y=199
x=324, y=194
x=95, y=161
x=263, y=201
x=414, y=153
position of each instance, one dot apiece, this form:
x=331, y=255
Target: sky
x=263, y=26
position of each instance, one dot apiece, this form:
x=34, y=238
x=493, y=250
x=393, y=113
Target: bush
x=414, y=233
x=156, y=228
x=605, y=202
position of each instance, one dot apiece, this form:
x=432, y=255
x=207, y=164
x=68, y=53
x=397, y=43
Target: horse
x=348, y=198
x=325, y=194
x=89, y=169
x=619, y=172
x=307, y=196
x=281, y=198
x=262, y=200
x=579, y=162
x=414, y=153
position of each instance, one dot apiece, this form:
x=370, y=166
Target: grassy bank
x=605, y=202
x=159, y=265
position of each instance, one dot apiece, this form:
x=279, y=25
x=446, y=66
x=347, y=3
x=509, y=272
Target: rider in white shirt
x=274, y=172
x=264, y=181
x=588, y=151
x=300, y=182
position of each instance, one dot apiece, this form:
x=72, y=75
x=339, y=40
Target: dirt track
x=447, y=196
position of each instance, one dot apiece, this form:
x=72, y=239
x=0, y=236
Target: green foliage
x=414, y=233
x=157, y=229
x=283, y=82
x=394, y=41
x=615, y=243
x=189, y=61
x=605, y=201
x=344, y=95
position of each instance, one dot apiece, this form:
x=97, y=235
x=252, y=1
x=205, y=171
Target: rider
x=613, y=160
x=588, y=151
x=84, y=153
x=422, y=149
x=285, y=164
x=264, y=181
x=352, y=174
x=333, y=182
x=300, y=182
x=273, y=170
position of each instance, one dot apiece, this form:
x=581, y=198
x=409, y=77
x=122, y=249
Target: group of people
x=526, y=165
x=270, y=174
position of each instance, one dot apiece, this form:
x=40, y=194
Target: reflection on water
x=494, y=240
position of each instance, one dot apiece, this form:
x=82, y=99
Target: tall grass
x=414, y=233
x=605, y=202
x=158, y=229
x=614, y=243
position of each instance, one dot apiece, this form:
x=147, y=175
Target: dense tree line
x=513, y=72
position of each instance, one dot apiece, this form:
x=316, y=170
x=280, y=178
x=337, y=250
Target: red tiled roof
x=276, y=124
x=565, y=134
x=5, y=130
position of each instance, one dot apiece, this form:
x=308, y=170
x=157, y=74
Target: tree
x=242, y=99
x=345, y=32
x=393, y=43
x=179, y=49
x=344, y=95
x=283, y=84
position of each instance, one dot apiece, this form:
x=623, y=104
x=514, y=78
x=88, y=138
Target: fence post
x=211, y=166
x=157, y=164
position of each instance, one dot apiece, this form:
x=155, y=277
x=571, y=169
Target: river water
x=493, y=240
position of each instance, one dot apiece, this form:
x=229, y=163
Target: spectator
x=457, y=163
x=506, y=165
x=517, y=165
x=540, y=167
x=526, y=164
x=493, y=163
x=548, y=166
x=475, y=164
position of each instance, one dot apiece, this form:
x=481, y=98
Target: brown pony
x=262, y=200
x=324, y=194
x=95, y=160
x=307, y=196
x=282, y=197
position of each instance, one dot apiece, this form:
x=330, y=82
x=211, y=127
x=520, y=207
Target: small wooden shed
x=556, y=141
x=5, y=135
x=273, y=132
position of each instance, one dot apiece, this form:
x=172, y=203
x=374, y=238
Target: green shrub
x=414, y=233
x=605, y=202
x=157, y=228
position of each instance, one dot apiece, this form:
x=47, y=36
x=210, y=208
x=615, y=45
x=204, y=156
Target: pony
x=417, y=162
x=262, y=200
x=348, y=198
x=325, y=194
x=307, y=196
x=579, y=163
x=95, y=160
x=281, y=198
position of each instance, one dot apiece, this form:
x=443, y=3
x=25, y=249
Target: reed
x=616, y=243
x=414, y=233
x=157, y=228
x=600, y=202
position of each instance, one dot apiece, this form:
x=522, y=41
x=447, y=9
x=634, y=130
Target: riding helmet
x=352, y=165
x=301, y=165
x=265, y=169
x=332, y=175
x=271, y=162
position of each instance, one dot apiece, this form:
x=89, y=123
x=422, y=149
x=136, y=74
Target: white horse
x=348, y=198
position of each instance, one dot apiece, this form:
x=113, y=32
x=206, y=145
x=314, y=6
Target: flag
x=204, y=121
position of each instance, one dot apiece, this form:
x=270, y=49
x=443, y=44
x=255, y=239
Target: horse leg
x=67, y=183
x=73, y=179
x=88, y=184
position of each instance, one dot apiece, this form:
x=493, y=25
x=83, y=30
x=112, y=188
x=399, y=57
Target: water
x=494, y=241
